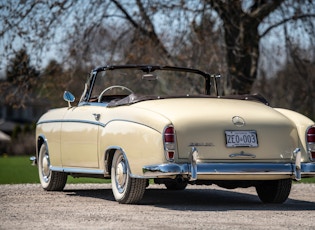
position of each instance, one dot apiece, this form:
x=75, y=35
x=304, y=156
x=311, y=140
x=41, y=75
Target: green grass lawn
x=18, y=170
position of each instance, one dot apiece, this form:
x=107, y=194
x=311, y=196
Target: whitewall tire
x=126, y=190
x=50, y=180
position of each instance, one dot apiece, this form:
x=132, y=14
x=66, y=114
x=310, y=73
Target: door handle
x=97, y=116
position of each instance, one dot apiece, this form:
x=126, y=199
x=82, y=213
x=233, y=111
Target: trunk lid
x=209, y=123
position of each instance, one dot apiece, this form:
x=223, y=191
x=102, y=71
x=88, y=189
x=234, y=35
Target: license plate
x=241, y=138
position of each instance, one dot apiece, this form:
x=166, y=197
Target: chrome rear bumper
x=215, y=169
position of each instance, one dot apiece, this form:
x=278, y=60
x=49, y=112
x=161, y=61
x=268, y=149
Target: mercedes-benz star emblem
x=238, y=121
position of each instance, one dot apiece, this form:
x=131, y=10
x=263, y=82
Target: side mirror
x=67, y=96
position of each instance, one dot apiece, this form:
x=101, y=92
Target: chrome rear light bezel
x=169, y=146
x=310, y=146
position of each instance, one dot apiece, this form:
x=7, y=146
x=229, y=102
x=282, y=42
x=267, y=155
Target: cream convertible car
x=141, y=122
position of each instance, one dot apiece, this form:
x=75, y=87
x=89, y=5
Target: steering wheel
x=112, y=87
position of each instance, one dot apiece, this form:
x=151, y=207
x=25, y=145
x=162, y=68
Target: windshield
x=159, y=82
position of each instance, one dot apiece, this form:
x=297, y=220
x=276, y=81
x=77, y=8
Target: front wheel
x=126, y=190
x=50, y=180
x=276, y=191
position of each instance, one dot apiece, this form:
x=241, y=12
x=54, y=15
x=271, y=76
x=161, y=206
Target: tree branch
x=221, y=8
x=285, y=21
x=21, y=16
x=129, y=18
x=263, y=10
x=149, y=31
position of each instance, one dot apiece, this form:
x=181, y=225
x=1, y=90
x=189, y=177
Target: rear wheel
x=276, y=191
x=126, y=190
x=50, y=180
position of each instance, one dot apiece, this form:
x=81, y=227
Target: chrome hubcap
x=121, y=176
x=45, y=167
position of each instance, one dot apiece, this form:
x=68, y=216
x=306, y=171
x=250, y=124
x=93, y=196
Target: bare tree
x=289, y=89
x=97, y=32
x=293, y=86
x=241, y=21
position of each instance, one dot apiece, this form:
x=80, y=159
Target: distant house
x=11, y=117
x=5, y=140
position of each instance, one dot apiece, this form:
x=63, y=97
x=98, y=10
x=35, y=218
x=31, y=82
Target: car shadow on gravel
x=105, y=194
x=216, y=200
x=199, y=200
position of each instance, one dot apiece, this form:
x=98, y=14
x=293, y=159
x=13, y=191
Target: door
x=79, y=137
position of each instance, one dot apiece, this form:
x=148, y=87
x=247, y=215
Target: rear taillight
x=169, y=143
x=310, y=139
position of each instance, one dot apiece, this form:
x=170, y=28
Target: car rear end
x=227, y=139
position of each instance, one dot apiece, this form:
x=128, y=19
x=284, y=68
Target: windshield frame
x=146, y=69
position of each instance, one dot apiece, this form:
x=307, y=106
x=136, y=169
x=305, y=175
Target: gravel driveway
x=92, y=206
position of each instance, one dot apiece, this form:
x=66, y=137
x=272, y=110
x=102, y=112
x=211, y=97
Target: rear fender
x=141, y=145
x=302, y=123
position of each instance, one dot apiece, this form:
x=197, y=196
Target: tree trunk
x=242, y=39
x=242, y=48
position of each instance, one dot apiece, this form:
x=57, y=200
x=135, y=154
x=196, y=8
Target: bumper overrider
x=251, y=170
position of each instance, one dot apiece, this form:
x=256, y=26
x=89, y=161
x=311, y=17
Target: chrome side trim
x=77, y=170
x=172, y=169
x=92, y=122
x=72, y=120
